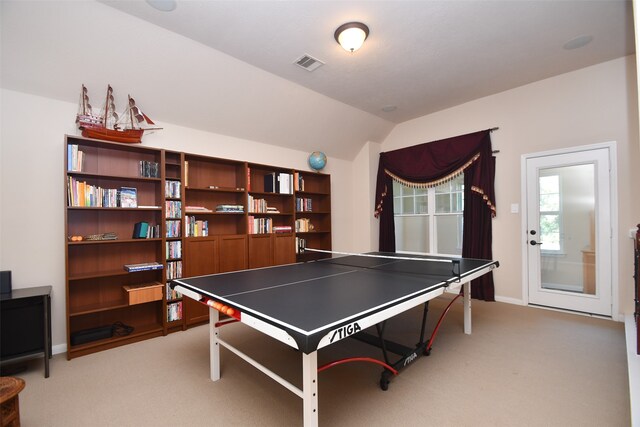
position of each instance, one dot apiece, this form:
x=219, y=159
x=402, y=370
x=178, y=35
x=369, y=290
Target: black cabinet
x=25, y=324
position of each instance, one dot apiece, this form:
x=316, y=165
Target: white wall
x=32, y=195
x=592, y=105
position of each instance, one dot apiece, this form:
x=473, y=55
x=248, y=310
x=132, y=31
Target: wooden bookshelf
x=190, y=197
x=173, y=232
x=316, y=188
x=95, y=275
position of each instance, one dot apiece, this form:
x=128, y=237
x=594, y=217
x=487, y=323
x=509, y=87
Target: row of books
x=304, y=204
x=174, y=311
x=172, y=293
x=256, y=205
x=143, y=230
x=173, y=209
x=173, y=228
x=174, y=270
x=279, y=182
x=174, y=249
x=149, y=169
x=303, y=225
x=172, y=189
x=260, y=225
x=75, y=158
x=145, y=266
x=300, y=244
x=79, y=193
x=195, y=227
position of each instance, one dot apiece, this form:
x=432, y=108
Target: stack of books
x=281, y=229
x=230, y=208
x=196, y=209
x=131, y=268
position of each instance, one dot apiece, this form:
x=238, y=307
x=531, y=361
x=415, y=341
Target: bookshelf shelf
x=139, y=333
x=217, y=190
x=116, y=241
x=96, y=308
x=86, y=175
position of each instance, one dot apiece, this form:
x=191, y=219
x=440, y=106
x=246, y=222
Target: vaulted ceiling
x=228, y=66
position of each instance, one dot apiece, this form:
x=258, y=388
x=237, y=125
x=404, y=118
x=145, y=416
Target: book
x=140, y=230
x=286, y=183
x=128, y=197
x=131, y=268
x=271, y=183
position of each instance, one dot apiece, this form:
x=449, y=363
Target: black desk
x=25, y=326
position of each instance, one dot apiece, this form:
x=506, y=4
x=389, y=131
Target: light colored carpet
x=521, y=367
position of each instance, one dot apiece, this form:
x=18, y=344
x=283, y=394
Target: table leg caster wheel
x=384, y=381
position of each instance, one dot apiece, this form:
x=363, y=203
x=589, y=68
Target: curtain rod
x=491, y=130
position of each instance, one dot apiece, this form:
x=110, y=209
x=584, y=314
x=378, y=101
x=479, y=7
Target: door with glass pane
x=569, y=231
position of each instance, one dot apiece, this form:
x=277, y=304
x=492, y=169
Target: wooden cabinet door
x=260, y=250
x=284, y=249
x=233, y=253
x=201, y=258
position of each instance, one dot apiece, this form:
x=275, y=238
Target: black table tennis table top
x=309, y=299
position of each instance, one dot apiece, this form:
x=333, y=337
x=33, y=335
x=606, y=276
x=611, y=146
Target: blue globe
x=317, y=160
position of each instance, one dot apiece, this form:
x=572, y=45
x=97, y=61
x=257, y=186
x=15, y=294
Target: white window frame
x=431, y=217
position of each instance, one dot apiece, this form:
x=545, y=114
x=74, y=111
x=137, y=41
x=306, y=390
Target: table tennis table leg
x=466, y=300
x=310, y=389
x=214, y=347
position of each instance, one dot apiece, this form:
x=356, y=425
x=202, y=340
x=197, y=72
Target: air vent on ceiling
x=309, y=63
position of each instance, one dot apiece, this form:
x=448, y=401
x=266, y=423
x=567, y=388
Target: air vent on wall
x=309, y=63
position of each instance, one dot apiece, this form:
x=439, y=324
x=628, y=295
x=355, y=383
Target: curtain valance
x=433, y=163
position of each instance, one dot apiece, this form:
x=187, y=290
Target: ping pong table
x=312, y=305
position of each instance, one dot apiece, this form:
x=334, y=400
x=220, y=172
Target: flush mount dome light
x=351, y=35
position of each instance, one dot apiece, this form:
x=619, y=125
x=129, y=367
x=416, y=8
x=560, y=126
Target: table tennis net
x=438, y=266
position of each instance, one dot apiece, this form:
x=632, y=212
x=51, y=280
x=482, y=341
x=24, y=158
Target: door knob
x=533, y=243
x=532, y=232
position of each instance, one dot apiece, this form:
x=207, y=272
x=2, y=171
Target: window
x=550, y=214
x=429, y=220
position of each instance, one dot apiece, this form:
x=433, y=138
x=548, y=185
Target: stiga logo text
x=345, y=331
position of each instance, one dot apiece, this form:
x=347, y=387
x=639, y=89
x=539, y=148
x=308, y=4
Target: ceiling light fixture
x=351, y=35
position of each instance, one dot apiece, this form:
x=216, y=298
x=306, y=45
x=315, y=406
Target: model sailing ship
x=108, y=125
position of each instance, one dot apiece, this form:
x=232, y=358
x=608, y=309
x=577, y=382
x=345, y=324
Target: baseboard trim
x=60, y=348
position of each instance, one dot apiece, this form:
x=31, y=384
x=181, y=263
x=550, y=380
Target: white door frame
x=613, y=181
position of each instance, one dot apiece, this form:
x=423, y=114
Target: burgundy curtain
x=436, y=162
